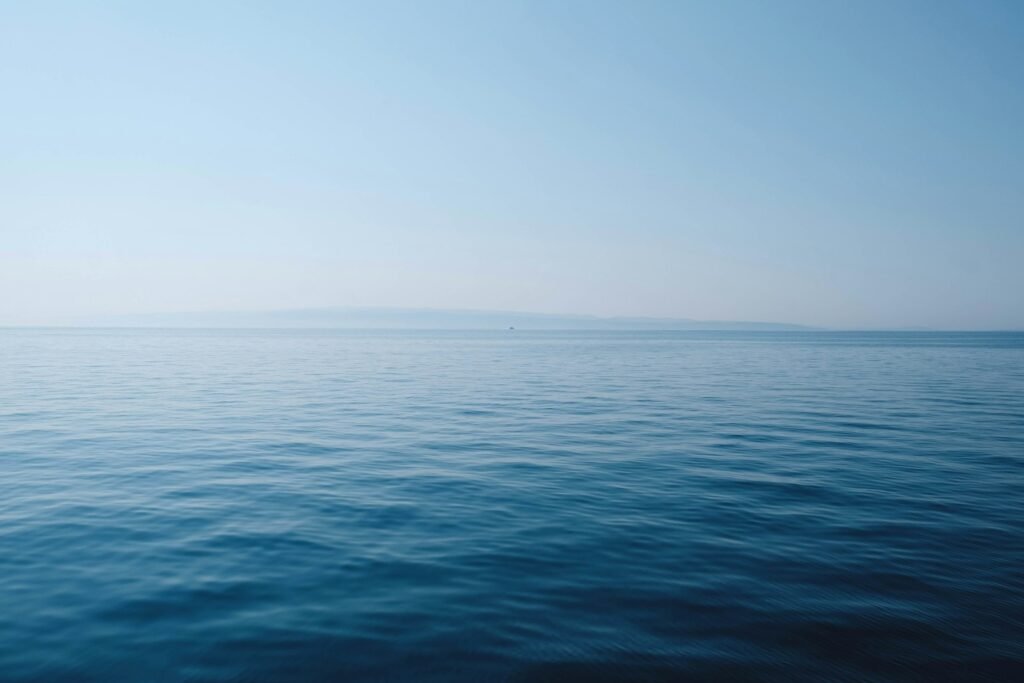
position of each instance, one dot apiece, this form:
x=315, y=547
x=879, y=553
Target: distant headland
x=422, y=318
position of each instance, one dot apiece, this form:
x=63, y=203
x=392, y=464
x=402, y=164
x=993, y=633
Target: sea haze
x=420, y=318
x=232, y=505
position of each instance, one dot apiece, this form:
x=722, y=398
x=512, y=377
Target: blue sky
x=828, y=163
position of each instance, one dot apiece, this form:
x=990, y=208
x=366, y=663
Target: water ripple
x=314, y=505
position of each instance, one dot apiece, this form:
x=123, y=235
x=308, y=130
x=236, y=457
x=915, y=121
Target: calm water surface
x=513, y=506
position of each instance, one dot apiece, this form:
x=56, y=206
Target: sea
x=510, y=505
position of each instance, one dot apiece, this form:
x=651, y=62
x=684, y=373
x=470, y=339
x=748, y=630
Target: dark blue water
x=514, y=506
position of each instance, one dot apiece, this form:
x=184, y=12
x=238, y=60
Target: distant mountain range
x=420, y=318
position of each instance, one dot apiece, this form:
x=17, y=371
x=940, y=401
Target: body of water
x=190, y=505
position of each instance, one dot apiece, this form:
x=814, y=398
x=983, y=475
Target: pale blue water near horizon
x=216, y=505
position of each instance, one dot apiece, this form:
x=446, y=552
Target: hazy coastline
x=422, y=318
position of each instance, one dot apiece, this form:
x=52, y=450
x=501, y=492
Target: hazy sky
x=831, y=163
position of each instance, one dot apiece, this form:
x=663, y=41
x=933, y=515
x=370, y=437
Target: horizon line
x=324, y=328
